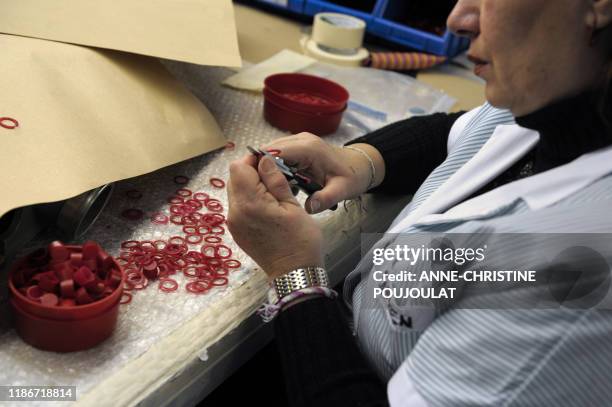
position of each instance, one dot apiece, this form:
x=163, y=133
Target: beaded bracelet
x=269, y=310
x=372, y=167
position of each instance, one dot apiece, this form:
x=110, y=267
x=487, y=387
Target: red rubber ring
x=184, y=192
x=190, y=230
x=175, y=200
x=132, y=214
x=222, y=272
x=168, y=285
x=201, y=196
x=217, y=182
x=130, y=244
x=128, y=297
x=181, y=179
x=222, y=246
x=14, y=123
x=230, y=145
x=205, y=248
x=159, y=218
x=223, y=279
x=177, y=240
x=193, y=239
x=160, y=245
x=176, y=219
x=273, y=151
x=217, y=230
x=197, y=287
x=232, y=263
x=212, y=239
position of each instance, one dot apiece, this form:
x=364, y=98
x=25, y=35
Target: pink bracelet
x=270, y=309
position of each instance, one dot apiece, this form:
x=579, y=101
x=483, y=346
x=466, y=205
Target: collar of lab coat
x=506, y=146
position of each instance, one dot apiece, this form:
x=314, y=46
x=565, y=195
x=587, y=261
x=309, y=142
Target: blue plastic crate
x=383, y=25
x=313, y=7
x=380, y=22
x=296, y=6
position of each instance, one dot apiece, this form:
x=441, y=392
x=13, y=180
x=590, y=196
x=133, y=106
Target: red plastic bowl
x=64, y=336
x=65, y=313
x=297, y=122
x=305, y=93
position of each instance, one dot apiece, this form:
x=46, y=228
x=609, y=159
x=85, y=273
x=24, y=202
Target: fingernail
x=314, y=205
x=267, y=165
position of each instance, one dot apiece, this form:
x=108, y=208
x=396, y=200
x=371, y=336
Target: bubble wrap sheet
x=154, y=315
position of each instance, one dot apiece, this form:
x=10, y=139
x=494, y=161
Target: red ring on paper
x=212, y=239
x=273, y=151
x=217, y=230
x=222, y=279
x=201, y=196
x=230, y=145
x=217, y=182
x=14, y=123
x=181, y=179
x=190, y=230
x=130, y=244
x=222, y=246
x=132, y=214
x=177, y=240
x=159, y=218
x=176, y=219
x=197, y=287
x=126, y=298
x=193, y=239
x=232, y=263
x=168, y=285
x=175, y=200
x=222, y=272
x=184, y=192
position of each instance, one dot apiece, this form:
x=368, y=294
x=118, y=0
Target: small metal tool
x=293, y=176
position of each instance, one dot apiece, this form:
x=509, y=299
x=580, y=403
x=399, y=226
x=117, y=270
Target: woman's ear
x=600, y=15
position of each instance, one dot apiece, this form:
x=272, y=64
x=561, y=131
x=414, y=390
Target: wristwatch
x=299, y=279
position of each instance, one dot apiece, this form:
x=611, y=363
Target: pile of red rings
x=206, y=266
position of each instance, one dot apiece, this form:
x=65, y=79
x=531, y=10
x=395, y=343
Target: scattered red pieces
x=207, y=266
x=168, y=285
x=217, y=182
x=67, y=276
x=132, y=214
x=184, y=192
x=126, y=298
x=9, y=123
x=181, y=180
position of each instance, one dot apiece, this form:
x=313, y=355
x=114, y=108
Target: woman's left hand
x=266, y=220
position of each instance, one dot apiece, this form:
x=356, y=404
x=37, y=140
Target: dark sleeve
x=321, y=361
x=412, y=149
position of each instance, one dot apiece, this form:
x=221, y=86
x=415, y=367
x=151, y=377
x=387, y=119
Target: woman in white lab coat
x=535, y=158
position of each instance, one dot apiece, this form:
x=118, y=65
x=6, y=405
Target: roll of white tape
x=311, y=49
x=339, y=31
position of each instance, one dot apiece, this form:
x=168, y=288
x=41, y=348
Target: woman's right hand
x=343, y=173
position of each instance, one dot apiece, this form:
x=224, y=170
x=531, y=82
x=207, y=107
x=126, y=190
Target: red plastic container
x=64, y=329
x=296, y=122
x=65, y=336
x=298, y=102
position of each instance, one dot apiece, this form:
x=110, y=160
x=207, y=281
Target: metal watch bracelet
x=299, y=279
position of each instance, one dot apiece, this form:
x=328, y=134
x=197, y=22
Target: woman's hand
x=266, y=220
x=344, y=173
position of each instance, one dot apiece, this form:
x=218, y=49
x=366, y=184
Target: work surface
x=174, y=350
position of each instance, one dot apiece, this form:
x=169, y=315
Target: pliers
x=293, y=176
